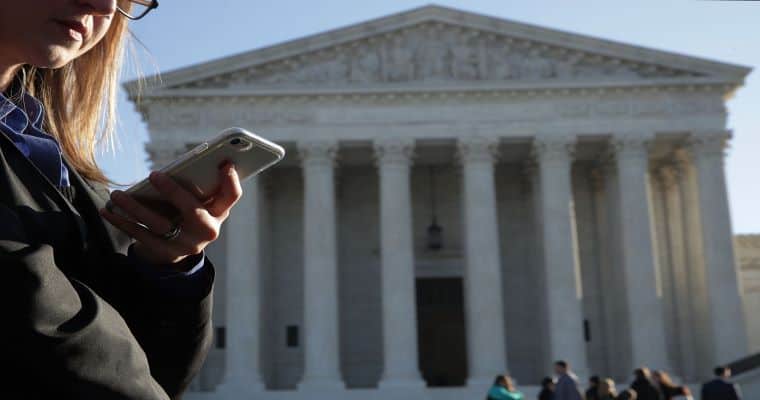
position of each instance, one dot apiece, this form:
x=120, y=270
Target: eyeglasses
x=138, y=9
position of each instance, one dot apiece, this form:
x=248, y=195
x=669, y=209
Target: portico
x=570, y=176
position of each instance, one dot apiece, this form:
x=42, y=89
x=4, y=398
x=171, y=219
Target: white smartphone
x=198, y=170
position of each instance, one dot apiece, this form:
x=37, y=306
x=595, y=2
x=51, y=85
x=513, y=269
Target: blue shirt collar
x=22, y=123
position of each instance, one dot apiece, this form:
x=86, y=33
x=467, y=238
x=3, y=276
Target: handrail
x=744, y=365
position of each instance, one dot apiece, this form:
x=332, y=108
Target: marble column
x=671, y=177
x=646, y=320
x=320, y=264
x=560, y=252
x=729, y=337
x=397, y=265
x=698, y=297
x=242, y=376
x=484, y=311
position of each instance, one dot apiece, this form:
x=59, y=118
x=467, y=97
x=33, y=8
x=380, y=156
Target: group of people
x=646, y=385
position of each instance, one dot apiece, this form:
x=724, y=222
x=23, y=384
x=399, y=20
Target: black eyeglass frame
x=153, y=5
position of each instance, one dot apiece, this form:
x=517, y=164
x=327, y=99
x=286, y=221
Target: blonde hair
x=663, y=378
x=607, y=387
x=80, y=98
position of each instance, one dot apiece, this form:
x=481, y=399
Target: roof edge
x=588, y=43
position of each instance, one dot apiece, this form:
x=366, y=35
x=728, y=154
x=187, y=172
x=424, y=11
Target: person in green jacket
x=504, y=389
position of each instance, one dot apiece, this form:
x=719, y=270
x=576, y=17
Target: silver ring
x=172, y=233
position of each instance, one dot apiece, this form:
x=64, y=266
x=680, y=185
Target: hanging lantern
x=434, y=231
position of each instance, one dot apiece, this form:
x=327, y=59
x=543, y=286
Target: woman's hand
x=199, y=223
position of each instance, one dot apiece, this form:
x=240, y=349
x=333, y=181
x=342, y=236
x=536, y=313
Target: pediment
x=435, y=45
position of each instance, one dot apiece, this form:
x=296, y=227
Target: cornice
x=483, y=89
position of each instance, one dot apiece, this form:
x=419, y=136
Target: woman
x=669, y=389
x=504, y=389
x=98, y=306
x=607, y=390
x=547, y=389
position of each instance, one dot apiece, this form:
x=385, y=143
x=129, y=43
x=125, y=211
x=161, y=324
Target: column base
x=241, y=390
x=321, y=384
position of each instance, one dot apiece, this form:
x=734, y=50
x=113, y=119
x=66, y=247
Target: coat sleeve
x=126, y=339
x=172, y=325
x=58, y=333
x=170, y=317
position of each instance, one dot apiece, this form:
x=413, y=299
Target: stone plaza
x=463, y=196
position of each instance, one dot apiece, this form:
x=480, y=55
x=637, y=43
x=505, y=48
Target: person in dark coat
x=567, y=383
x=720, y=388
x=547, y=389
x=628, y=394
x=97, y=306
x=592, y=393
x=669, y=389
x=643, y=385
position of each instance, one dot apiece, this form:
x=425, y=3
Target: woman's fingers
x=200, y=223
x=139, y=213
x=180, y=198
x=134, y=229
x=230, y=191
x=162, y=251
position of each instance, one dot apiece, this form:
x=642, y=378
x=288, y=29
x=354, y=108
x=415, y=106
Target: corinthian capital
x=631, y=145
x=553, y=149
x=668, y=175
x=394, y=151
x=478, y=150
x=709, y=144
x=318, y=152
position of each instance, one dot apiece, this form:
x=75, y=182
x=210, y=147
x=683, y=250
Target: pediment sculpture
x=437, y=52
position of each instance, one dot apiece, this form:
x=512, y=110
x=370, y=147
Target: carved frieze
x=437, y=52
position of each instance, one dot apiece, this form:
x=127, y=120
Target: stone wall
x=748, y=257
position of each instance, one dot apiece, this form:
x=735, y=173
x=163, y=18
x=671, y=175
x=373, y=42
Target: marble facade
x=579, y=184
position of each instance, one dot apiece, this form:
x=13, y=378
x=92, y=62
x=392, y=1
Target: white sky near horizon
x=182, y=33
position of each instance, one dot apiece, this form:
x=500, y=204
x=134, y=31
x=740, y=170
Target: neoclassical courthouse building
x=463, y=196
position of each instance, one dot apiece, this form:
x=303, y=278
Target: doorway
x=441, y=333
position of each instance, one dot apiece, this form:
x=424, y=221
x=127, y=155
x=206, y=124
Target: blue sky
x=186, y=32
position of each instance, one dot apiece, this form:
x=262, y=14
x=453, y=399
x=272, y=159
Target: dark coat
x=546, y=394
x=80, y=322
x=646, y=390
x=566, y=388
x=718, y=389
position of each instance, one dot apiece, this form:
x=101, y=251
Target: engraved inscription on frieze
x=438, y=52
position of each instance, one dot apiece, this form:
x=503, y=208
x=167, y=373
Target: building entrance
x=441, y=333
